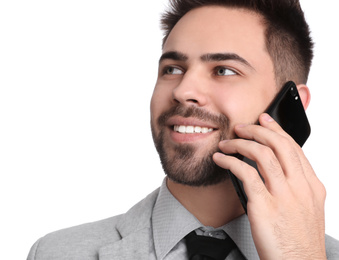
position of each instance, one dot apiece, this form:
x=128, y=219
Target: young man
x=222, y=64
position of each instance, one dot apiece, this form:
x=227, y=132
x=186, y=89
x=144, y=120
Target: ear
x=304, y=94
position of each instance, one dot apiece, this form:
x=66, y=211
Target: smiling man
x=222, y=64
x=209, y=77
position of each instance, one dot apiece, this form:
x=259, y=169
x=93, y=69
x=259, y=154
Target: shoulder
x=84, y=241
x=332, y=247
x=81, y=241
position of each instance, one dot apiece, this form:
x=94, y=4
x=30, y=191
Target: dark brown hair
x=287, y=34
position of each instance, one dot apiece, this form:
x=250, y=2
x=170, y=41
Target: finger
x=283, y=146
x=286, y=152
x=253, y=185
x=297, y=155
x=269, y=123
x=267, y=163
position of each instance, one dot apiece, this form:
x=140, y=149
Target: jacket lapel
x=134, y=228
x=134, y=246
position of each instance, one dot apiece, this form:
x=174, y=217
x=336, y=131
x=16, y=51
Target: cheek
x=243, y=107
x=154, y=106
x=233, y=104
x=160, y=102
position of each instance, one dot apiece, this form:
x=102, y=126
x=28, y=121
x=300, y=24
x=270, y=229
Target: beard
x=181, y=164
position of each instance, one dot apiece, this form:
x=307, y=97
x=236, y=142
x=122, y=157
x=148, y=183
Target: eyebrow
x=225, y=56
x=173, y=55
x=209, y=57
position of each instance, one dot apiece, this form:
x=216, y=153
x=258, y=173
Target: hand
x=287, y=212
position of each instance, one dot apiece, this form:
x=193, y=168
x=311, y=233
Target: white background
x=76, y=78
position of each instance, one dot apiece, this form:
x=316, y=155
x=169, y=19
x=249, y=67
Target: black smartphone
x=288, y=111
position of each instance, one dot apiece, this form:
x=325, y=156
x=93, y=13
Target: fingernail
x=241, y=125
x=267, y=118
x=218, y=155
x=224, y=141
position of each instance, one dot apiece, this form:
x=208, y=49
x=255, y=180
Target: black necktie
x=208, y=248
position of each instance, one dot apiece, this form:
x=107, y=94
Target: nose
x=190, y=91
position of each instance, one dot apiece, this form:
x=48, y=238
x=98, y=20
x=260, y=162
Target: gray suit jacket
x=123, y=237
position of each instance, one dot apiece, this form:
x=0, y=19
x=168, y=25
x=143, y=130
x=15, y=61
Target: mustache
x=193, y=111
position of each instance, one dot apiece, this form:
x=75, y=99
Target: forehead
x=218, y=29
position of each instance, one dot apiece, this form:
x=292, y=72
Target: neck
x=214, y=205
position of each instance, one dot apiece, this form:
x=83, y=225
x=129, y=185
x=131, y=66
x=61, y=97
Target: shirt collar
x=239, y=230
x=171, y=222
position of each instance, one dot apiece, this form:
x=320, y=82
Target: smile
x=183, y=129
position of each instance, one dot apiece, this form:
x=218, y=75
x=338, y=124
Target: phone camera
x=294, y=91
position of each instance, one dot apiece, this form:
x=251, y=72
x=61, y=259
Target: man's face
x=214, y=73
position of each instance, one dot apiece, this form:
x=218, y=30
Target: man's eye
x=173, y=71
x=221, y=71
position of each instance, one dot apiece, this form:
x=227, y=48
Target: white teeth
x=189, y=129
x=182, y=129
x=192, y=129
x=204, y=130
